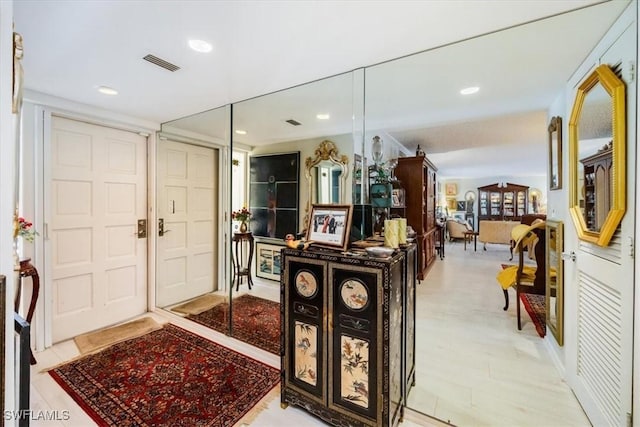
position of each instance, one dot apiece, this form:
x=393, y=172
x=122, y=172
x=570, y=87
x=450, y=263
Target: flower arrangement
x=242, y=215
x=25, y=230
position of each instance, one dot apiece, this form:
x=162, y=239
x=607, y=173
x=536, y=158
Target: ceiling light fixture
x=323, y=116
x=107, y=90
x=200, y=46
x=470, y=90
x=241, y=132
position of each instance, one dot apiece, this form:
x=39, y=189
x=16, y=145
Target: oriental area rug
x=535, y=306
x=255, y=321
x=168, y=377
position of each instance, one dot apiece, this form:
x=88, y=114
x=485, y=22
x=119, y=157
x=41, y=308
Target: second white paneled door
x=188, y=208
x=98, y=192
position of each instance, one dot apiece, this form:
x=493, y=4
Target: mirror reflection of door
x=188, y=208
x=327, y=175
x=190, y=267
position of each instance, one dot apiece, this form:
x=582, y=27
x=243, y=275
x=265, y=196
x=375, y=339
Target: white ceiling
x=264, y=46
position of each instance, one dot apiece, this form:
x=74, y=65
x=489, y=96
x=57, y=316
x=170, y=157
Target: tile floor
x=474, y=368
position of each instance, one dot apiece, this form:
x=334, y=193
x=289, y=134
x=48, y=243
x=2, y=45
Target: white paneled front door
x=98, y=192
x=187, y=205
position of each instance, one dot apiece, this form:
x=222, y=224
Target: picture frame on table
x=268, y=265
x=329, y=226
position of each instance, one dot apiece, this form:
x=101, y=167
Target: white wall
x=7, y=193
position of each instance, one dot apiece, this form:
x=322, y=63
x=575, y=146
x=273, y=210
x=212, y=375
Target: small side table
x=468, y=235
x=243, y=255
x=28, y=270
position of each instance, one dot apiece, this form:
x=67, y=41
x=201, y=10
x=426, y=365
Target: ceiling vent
x=161, y=62
x=293, y=122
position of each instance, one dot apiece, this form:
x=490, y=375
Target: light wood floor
x=474, y=368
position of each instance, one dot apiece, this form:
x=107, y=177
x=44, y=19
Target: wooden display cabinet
x=597, y=188
x=345, y=347
x=508, y=203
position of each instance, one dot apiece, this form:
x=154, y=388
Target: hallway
x=474, y=368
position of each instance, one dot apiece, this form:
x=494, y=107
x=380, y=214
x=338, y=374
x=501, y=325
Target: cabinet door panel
x=305, y=348
x=353, y=336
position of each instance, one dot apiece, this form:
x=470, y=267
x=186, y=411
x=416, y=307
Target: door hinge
x=629, y=419
x=632, y=71
x=631, y=247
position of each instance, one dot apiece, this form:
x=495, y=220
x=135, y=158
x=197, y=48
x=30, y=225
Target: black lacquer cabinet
x=344, y=336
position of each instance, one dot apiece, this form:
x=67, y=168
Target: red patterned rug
x=535, y=306
x=168, y=377
x=255, y=321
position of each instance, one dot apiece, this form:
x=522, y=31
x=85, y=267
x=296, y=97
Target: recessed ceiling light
x=241, y=132
x=107, y=90
x=200, y=46
x=469, y=90
x=323, y=116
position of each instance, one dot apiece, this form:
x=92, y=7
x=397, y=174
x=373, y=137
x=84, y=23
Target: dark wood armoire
x=418, y=178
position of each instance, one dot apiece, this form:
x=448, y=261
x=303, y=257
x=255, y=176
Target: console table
x=28, y=270
x=243, y=255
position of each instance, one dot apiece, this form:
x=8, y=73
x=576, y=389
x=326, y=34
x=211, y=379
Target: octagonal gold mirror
x=597, y=146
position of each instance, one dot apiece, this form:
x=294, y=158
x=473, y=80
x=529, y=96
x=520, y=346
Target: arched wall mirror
x=597, y=146
x=326, y=175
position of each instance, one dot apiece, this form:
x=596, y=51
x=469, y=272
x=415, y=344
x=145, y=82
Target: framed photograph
x=268, y=261
x=461, y=205
x=329, y=226
x=397, y=198
x=555, y=153
x=451, y=189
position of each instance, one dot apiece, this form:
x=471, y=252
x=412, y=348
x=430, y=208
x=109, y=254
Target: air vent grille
x=161, y=62
x=293, y=122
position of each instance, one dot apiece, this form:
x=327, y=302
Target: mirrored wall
x=299, y=144
x=258, y=151
x=192, y=196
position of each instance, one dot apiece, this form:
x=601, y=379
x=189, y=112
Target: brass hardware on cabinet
x=142, y=228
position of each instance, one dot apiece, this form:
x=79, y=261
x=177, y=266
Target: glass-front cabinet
x=502, y=201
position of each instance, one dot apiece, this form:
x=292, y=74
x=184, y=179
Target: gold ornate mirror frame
x=326, y=151
x=615, y=88
x=554, y=280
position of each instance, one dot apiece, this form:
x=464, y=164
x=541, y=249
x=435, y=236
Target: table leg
x=475, y=243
